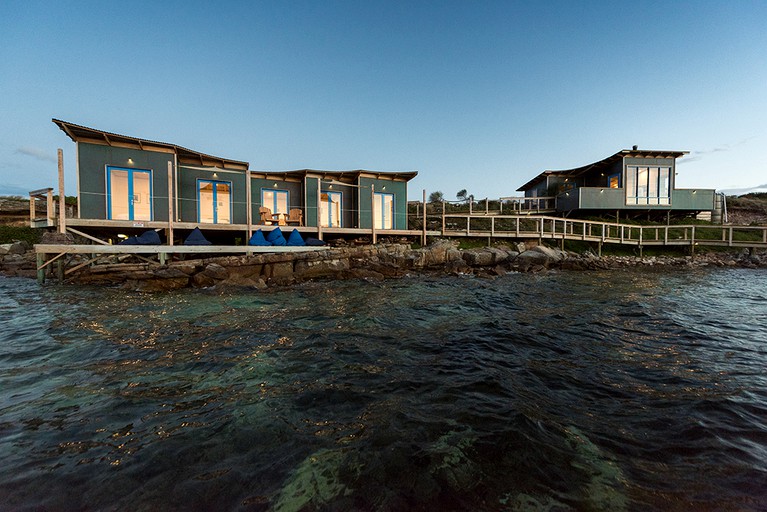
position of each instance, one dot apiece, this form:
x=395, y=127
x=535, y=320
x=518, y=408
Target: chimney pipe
x=635, y=148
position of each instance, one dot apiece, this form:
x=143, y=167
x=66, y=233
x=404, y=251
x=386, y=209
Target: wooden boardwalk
x=557, y=228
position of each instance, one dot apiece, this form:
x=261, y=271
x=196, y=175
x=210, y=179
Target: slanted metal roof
x=80, y=133
x=580, y=171
x=350, y=176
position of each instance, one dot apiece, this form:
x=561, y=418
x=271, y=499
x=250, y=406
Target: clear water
x=561, y=391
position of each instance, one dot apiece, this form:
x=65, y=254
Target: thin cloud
x=37, y=153
x=699, y=154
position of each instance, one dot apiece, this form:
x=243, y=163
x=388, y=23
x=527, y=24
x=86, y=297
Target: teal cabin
x=630, y=183
x=126, y=184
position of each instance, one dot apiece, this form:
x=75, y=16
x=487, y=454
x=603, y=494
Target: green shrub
x=10, y=233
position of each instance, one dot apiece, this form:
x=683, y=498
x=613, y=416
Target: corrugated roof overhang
x=80, y=133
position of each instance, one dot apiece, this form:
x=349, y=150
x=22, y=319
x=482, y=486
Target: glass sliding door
x=383, y=211
x=214, y=202
x=129, y=194
x=276, y=200
x=330, y=209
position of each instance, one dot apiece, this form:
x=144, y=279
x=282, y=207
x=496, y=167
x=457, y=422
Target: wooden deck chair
x=295, y=216
x=266, y=215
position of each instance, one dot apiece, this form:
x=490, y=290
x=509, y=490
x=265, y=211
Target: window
x=648, y=185
x=129, y=194
x=330, y=209
x=383, y=211
x=214, y=204
x=275, y=200
x=614, y=181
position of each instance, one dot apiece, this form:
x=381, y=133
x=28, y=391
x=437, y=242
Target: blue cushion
x=196, y=238
x=276, y=238
x=314, y=241
x=148, y=238
x=258, y=239
x=131, y=240
x=295, y=239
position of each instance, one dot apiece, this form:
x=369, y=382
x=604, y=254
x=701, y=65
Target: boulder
x=553, y=255
x=215, y=271
x=321, y=268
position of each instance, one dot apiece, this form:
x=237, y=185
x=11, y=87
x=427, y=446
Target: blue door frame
x=131, y=172
x=382, y=213
x=330, y=210
x=273, y=206
x=215, y=198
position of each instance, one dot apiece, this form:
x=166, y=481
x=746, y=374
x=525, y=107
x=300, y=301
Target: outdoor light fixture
x=130, y=160
x=275, y=185
x=215, y=175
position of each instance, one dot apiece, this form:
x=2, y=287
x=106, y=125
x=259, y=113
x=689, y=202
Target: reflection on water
x=571, y=391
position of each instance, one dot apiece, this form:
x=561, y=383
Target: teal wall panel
x=92, y=160
x=187, y=195
x=398, y=188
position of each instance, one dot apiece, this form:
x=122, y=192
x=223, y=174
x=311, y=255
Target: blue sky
x=474, y=95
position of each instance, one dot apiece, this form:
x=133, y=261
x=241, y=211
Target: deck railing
x=557, y=228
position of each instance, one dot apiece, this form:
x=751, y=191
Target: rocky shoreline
x=371, y=262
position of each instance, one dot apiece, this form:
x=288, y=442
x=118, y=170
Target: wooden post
x=62, y=198
x=423, y=236
x=487, y=209
x=319, y=217
x=40, y=270
x=49, y=208
x=373, y=211
x=170, y=203
x=250, y=207
x=443, y=217
x=32, y=202
x=60, y=271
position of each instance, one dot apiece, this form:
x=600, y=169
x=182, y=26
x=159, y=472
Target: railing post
x=517, y=227
x=423, y=236
x=492, y=226
x=730, y=242
x=443, y=217
x=665, y=235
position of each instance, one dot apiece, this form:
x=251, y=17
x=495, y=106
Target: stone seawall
x=373, y=262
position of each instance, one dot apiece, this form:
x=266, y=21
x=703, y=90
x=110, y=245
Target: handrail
x=542, y=226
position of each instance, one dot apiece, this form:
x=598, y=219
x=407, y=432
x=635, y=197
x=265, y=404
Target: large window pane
x=383, y=205
x=223, y=203
x=664, y=185
x=631, y=180
x=120, y=201
x=652, y=181
x=206, y=202
x=275, y=200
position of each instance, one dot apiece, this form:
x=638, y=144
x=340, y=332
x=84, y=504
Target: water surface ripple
x=560, y=391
